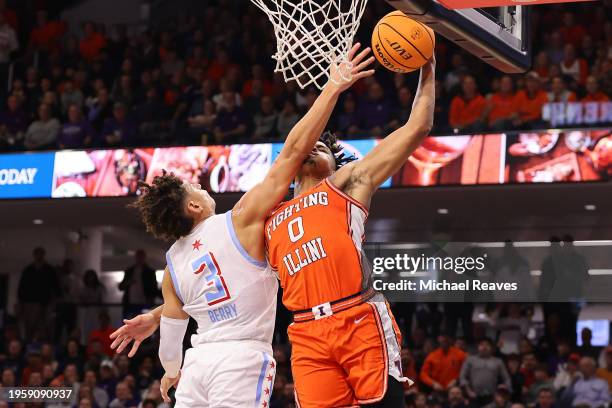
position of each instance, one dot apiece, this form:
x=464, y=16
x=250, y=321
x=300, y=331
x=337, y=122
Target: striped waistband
x=328, y=309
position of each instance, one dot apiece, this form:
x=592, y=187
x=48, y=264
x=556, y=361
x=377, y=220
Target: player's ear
x=193, y=207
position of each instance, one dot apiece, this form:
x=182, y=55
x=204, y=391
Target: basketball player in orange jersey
x=345, y=343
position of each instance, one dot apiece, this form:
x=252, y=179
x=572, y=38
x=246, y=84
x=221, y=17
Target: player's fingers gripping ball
x=402, y=44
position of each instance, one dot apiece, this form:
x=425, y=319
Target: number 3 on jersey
x=217, y=289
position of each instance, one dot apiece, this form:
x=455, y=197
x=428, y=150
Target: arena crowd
x=209, y=79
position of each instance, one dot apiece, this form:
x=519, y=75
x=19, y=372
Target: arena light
x=590, y=207
x=443, y=211
x=465, y=4
x=37, y=221
x=600, y=272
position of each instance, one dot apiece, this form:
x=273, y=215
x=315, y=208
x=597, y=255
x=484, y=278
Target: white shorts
x=232, y=374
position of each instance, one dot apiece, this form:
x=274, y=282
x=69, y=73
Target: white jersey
x=230, y=295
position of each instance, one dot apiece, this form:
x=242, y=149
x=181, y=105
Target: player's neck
x=198, y=220
x=305, y=183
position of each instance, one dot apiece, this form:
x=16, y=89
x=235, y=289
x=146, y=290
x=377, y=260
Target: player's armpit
x=362, y=178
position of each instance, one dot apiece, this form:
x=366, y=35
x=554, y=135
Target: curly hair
x=331, y=141
x=161, y=207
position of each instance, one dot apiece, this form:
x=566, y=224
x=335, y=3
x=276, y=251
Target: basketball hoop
x=311, y=35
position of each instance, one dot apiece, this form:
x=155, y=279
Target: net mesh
x=311, y=35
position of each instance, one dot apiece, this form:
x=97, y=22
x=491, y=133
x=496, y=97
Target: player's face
x=320, y=161
x=198, y=200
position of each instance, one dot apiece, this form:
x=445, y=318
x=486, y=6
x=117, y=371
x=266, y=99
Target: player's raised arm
x=172, y=329
x=261, y=199
x=362, y=178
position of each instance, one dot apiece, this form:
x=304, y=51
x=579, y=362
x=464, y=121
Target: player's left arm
x=257, y=203
x=362, y=178
x=172, y=329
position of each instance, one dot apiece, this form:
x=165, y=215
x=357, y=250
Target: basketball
x=402, y=44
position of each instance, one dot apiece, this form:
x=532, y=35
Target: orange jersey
x=314, y=244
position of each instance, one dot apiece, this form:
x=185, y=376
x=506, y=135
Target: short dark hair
x=161, y=207
x=331, y=141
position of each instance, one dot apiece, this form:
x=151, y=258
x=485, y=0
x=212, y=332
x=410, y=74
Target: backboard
x=498, y=35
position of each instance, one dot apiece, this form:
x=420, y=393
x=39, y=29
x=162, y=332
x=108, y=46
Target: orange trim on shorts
x=381, y=332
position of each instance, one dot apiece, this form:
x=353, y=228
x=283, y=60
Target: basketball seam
x=426, y=28
x=388, y=53
x=409, y=42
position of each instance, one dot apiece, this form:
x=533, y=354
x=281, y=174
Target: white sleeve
x=172, y=332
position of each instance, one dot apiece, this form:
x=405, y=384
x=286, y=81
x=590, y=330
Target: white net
x=311, y=35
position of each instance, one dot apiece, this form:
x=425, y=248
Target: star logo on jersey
x=196, y=245
x=269, y=377
x=267, y=391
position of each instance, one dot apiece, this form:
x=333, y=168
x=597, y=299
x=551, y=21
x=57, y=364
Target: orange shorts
x=345, y=359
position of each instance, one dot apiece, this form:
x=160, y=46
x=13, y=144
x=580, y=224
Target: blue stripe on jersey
x=173, y=276
x=238, y=245
x=264, y=368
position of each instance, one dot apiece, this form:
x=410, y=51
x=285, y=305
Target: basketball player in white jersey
x=217, y=274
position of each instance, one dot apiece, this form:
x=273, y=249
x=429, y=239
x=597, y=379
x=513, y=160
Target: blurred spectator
x=257, y=74
x=501, y=398
x=455, y=398
x=528, y=366
x=593, y=94
x=348, y=118
x=546, y=398
x=454, y=78
x=124, y=397
x=12, y=360
x=13, y=123
x=541, y=381
x=8, y=378
x=66, y=308
x=102, y=333
x=571, y=32
x=512, y=328
x=541, y=64
x=150, y=116
x=77, y=132
x=9, y=15
x=123, y=91
x=558, y=91
x=46, y=35
x=605, y=372
x=468, y=108
x=92, y=43
x=588, y=391
x=441, y=110
x=8, y=44
x=587, y=50
x=37, y=287
x=442, y=366
x=572, y=66
x=287, y=119
x=529, y=103
x=119, y=130
x=42, y=133
x=481, y=373
x=501, y=105
x=587, y=349
x=265, y=121
x=567, y=373
x=555, y=48
x=201, y=124
x=232, y=121
x=100, y=109
x=71, y=95
x=139, y=286
x=401, y=113
x=517, y=379
x=374, y=110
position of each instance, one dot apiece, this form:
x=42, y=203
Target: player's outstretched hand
x=136, y=329
x=344, y=75
x=167, y=383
